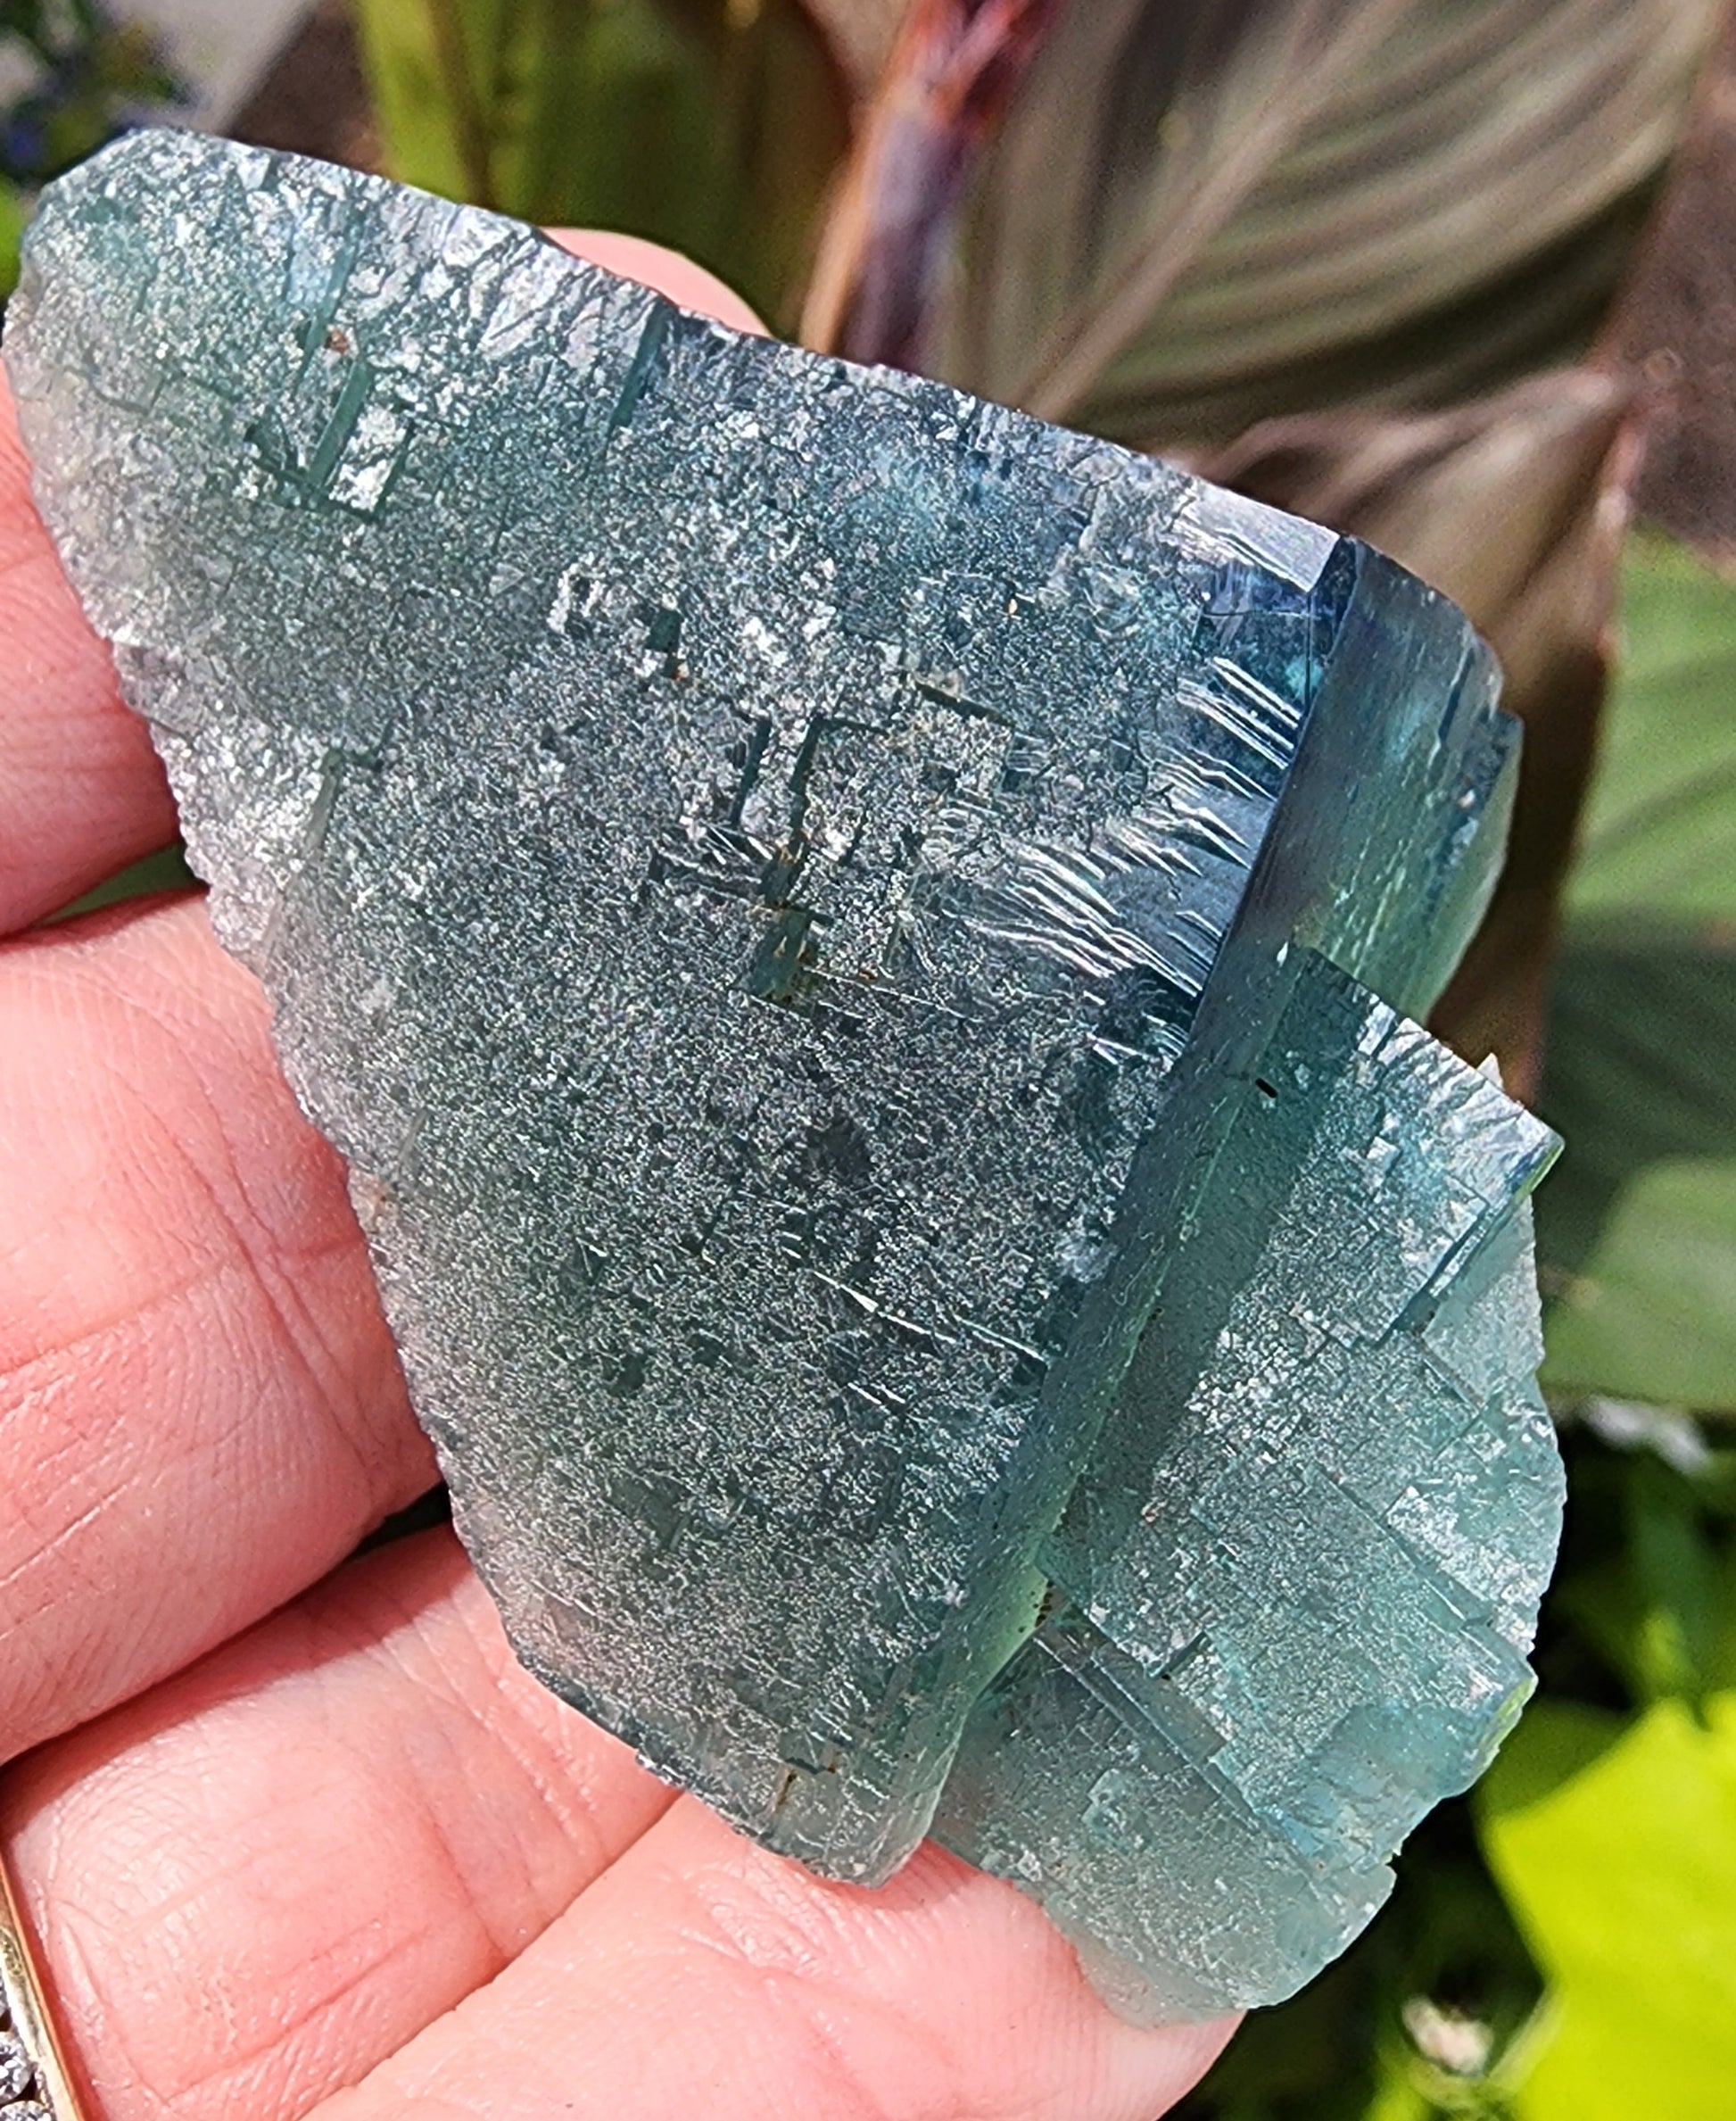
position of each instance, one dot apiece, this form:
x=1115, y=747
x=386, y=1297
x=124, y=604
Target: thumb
x=667, y=271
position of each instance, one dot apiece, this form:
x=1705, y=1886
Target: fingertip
x=634, y=258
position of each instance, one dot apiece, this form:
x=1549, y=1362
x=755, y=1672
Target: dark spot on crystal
x=663, y=629
x=630, y=1373
x=839, y=1150
x=784, y=961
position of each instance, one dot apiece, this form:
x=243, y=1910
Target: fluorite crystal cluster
x=858, y=948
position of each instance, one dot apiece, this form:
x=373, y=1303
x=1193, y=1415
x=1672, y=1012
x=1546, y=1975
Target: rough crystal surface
x=839, y=929
x=1296, y=1584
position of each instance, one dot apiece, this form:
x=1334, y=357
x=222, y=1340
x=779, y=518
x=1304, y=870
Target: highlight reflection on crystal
x=838, y=930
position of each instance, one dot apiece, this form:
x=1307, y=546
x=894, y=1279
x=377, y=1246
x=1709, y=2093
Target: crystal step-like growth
x=780, y=879
x=1299, y=1574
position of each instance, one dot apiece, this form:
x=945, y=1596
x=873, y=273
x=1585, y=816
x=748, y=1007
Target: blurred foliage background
x=1457, y=275
x=69, y=75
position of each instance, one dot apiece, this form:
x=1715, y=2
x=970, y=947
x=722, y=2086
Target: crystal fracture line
x=778, y=878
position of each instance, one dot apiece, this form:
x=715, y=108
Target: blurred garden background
x=1459, y=276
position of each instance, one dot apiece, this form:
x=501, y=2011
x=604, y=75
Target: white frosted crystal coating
x=838, y=930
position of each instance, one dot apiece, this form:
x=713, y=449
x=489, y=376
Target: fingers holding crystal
x=512, y=837
x=260, y=1878
x=200, y=1406
x=257, y=1883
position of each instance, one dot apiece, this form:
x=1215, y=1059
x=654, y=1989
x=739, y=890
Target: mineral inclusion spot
x=859, y=948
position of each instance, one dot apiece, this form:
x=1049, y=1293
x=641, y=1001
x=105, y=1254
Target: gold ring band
x=27, y=2032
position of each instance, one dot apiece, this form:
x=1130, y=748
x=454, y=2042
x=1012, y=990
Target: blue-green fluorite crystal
x=839, y=931
x=1295, y=1586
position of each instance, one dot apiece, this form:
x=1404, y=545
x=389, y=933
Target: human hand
x=295, y=1833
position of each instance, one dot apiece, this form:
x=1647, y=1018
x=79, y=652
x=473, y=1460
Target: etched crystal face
x=780, y=879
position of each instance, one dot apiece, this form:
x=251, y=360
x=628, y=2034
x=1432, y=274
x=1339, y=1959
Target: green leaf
x=1637, y=1228
x=1399, y=2099
x=1616, y=1848
x=1658, y=1598
x=14, y=213
x=1682, y=1583
x=712, y=125
x=1198, y=216
x=1639, y=1075
x=1660, y=832
x=1652, y=1314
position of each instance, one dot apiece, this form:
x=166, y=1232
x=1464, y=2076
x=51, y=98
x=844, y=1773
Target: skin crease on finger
x=264, y=1876
x=354, y=1855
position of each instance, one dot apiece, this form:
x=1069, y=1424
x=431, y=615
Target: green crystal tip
x=859, y=948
